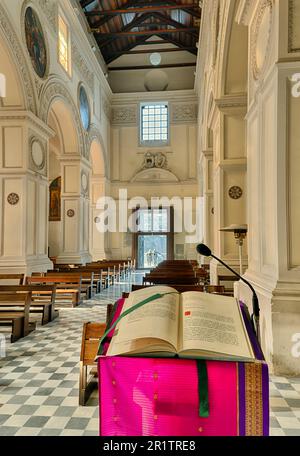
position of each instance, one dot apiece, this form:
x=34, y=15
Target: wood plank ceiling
x=123, y=27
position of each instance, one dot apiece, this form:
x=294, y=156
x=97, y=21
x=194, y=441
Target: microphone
x=203, y=250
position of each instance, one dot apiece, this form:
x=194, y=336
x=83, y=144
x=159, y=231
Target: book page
x=147, y=327
x=213, y=323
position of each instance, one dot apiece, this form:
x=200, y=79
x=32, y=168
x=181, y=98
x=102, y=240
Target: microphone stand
x=255, y=304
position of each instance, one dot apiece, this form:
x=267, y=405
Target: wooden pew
x=91, y=335
x=215, y=289
x=87, y=280
x=227, y=279
x=14, y=312
x=6, y=279
x=68, y=289
x=42, y=299
x=179, y=287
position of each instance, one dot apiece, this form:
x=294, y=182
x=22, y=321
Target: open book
x=189, y=325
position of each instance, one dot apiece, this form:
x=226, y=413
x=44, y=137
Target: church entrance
x=153, y=240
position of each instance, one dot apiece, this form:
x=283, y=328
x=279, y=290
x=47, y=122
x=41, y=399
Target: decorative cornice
x=12, y=40
x=124, y=115
x=182, y=113
x=232, y=101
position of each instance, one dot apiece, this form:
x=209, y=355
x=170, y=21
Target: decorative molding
x=292, y=46
x=155, y=160
x=38, y=162
x=182, y=113
x=15, y=47
x=13, y=199
x=49, y=8
x=84, y=183
x=243, y=13
x=155, y=175
x=70, y=213
x=82, y=67
x=55, y=89
x=265, y=4
x=124, y=115
x=232, y=101
x=95, y=135
x=235, y=192
x=106, y=108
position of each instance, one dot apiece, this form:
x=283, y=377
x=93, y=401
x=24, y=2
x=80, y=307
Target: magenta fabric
x=159, y=397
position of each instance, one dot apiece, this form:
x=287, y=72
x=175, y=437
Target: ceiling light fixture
x=155, y=58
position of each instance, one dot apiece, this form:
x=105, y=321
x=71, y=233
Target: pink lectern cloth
x=159, y=397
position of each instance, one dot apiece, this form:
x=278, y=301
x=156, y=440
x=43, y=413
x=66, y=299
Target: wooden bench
x=227, y=279
x=14, y=312
x=91, y=335
x=18, y=279
x=68, y=289
x=87, y=280
x=215, y=289
x=42, y=299
x=179, y=287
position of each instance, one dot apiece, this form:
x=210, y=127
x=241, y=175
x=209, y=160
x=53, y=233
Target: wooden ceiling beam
x=165, y=19
x=135, y=23
x=106, y=19
x=192, y=12
x=145, y=32
x=149, y=51
x=151, y=67
x=163, y=50
x=144, y=9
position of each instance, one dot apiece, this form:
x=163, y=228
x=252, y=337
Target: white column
x=23, y=193
x=75, y=208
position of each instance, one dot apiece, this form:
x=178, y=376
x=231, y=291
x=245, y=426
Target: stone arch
x=96, y=137
x=54, y=91
x=17, y=58
x=232, y=56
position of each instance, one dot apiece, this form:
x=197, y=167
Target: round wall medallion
x=37, y=154
x=70, y=213
x=13, y=199
x=261, y=37
x=235, y=192
x=35, y=41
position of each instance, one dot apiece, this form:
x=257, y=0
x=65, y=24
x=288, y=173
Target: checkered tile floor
x=39, y=380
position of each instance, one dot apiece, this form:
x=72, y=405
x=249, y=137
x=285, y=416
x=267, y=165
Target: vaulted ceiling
x=139, y=28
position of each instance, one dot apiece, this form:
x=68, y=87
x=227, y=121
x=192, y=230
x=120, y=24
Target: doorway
x=154, y=237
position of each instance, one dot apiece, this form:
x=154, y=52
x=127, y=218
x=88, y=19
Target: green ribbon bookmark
x=203, y=389
x=127, y=312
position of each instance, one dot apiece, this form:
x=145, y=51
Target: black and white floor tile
x=39, y=380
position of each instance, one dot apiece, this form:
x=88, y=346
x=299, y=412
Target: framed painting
x=84, y=108
x=35, y=41
x=55, y=201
